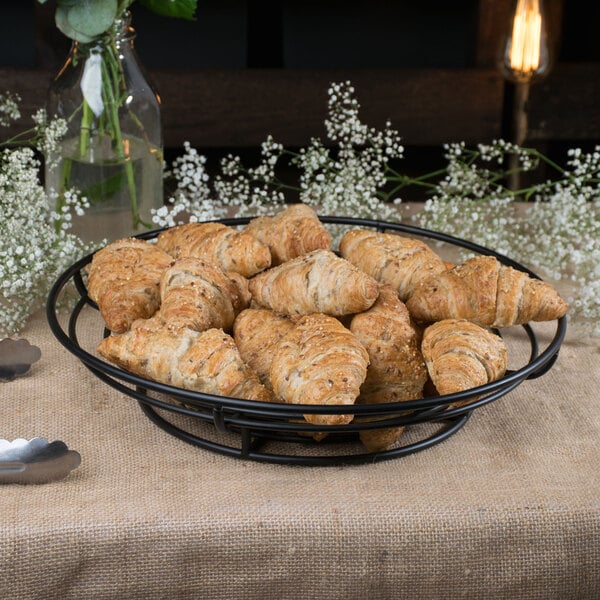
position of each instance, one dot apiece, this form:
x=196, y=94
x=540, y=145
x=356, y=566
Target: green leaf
x=92, y=17
x=183, y=9
x=60, y=17
x=105, y=189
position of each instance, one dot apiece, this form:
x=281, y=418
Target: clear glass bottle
x=113, y=151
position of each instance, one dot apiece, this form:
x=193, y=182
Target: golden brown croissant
x=232, y=250
x=396, y=369
x=319, y=282
x=200, y=295
x=207, y=361
x=392, y=259
x=123, y=281
x=293, y=232
x=461, y=355
x=257, y=331
x=485, y=291
x=319, y=361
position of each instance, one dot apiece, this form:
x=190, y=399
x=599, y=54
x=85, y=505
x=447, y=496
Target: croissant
x=205, y=361
x=123, y=281
x=256, y=332
x=319, y=282
x=461, y=355
x=232, y=250
x=200, y=295
x=485, y=291
x=319, y=361
x=396, y=369
x=389, y=258
x=291, y=233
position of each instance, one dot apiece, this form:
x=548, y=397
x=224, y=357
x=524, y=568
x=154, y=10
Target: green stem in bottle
x=110, y=74
x=85, y=129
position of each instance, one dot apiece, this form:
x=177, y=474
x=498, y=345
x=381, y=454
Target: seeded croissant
x=256, y=332
x=461, y=355
x=123, y=281
x=396, y=369
x=485, y=291
x=200, y=295
x=207, y=361
x=291, y=233
x=319, y=361
x=319, y=282
x=398, y=261
x=232, y=250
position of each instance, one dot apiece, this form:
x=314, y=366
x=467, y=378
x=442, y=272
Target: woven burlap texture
x=509, y=507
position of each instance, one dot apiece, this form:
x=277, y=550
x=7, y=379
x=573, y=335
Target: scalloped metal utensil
x=35, y=460
x=16, y=358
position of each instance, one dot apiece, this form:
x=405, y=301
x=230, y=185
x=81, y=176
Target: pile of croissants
x=271, y=313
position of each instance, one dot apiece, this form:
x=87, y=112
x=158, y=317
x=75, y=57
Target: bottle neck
x=120, y=35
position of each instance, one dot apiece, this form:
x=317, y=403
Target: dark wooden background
x=248, y=68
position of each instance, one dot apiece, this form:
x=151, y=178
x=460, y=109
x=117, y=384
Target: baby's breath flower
x=49, y=132
x=352, y=174
x=9, y=108
x=33, y=250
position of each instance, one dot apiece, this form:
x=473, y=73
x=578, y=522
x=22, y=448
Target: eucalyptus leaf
x=107, y=188
x=60, y=17
x=92, y=17
x=183, y=9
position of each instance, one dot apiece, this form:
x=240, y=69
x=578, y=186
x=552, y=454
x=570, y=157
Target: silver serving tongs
x=35, y=460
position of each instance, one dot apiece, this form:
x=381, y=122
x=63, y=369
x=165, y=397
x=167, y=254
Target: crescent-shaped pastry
x=391, y=259
x=293, y=232
x=124, y=281
x=319, y=361
x=319, y=282
x=485, y=291
x=229, y=248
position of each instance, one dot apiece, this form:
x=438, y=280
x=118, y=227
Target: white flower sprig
x=556, y=235
x=35, y=244
x=355, y=173
x=345, y=180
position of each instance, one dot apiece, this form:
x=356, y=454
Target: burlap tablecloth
x=509, y=507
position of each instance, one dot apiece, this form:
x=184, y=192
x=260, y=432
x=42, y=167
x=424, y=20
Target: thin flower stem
x=65, y=177
x=110, y=71
x=397, y=176
x=85, y=130
x=28, y=137
x=547, y=160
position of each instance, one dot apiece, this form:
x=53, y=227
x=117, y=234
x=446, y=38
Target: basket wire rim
x=538, y=364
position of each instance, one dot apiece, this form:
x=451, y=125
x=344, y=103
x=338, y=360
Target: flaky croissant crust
x=485, y=291
x=461, y=355
x=124, y=281
x=230, y=249
x=319, y=361
x=319, y=282
x=293, y=232
x=257, y=331
x=391, y=259
x=207, y=361
x=200, y=295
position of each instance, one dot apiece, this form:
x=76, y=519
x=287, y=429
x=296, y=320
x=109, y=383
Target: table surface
x=509, y=507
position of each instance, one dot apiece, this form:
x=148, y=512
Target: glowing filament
x=526, y=37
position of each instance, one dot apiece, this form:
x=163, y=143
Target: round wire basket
x=278, y=432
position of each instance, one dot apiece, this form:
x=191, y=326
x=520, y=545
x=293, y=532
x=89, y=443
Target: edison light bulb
x=526, y=52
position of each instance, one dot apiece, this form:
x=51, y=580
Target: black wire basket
x=279, y=433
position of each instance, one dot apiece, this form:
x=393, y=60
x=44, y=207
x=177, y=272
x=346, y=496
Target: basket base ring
x=251, y=447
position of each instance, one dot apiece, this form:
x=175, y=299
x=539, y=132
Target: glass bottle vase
x=112, y=153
